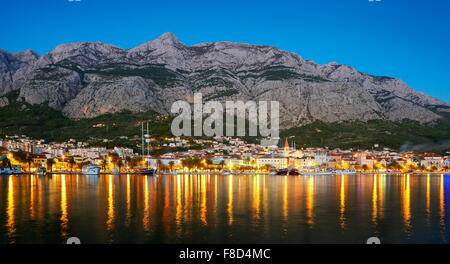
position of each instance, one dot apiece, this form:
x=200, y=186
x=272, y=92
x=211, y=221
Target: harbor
x=207, y=208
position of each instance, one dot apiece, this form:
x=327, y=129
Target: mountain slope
x=403, y=136
x=84, y=80
x=42, y=122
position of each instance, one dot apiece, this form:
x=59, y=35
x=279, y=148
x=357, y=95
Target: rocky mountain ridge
x=87, y=79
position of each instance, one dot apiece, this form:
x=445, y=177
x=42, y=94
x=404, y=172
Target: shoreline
x=229, y=173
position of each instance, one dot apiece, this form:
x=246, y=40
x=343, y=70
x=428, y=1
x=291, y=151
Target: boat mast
x=142, y=143
x=147, y=139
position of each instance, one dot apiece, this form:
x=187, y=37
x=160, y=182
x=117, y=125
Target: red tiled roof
x=432, y=155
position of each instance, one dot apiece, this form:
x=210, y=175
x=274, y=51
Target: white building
x=124, y=152
x=432, y=160
x=277, y=162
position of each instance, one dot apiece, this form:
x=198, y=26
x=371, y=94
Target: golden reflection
x=111, y=213
x=146, y=217
x=442, y=206
x=230, y=200
x=381, y=194
x=64, y=215
x=342, y=217
x=406, y=193
x=40, y=207
x=128, y=217
x=187, y=197
x=265, y=203
x=10, y=224
x=215, y=192
x=374, y=200
x=428, y=198
x=32, y=200
x=203, y=199
x=178, y=209
x=256, y=197
x=310, y=201
x=285, y=198
x=297, y=199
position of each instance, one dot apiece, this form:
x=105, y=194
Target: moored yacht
x=91, y=170
x=291, y=172
x=294, y=172
x=10, y=170
x=282, y=172
x=144, y=170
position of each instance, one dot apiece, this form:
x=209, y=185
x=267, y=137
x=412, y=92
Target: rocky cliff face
x=11, y=65
x=88, y=79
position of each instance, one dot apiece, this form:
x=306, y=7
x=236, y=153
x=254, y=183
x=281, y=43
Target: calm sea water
x=225, y=209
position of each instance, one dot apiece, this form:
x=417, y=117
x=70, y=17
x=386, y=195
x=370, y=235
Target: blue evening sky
x=407, y=39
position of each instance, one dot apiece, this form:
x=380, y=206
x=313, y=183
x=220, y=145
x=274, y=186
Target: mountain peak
x=166, y=40
x=29, y=53
x=164, y=70
x=168, y=37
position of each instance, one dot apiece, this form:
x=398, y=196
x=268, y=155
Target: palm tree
x=209, y=162
x=114, y=158
x=103, y=163
x=22, y=157
x=196, y=162
x=191, y=163
x=119, y=163
x=29, y=160
x=50, y=163
x=158, y=164
x=71, y=162
x=185, y=163
x=171, y=163
x=127, y=161
x=267, y=167
x=134, y=162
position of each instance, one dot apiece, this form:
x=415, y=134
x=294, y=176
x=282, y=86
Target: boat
x=144, y=171
x=290, y=172
x=7, y=168
x=91, y=170
x=11, y=170
x=282, y=172
x=41, y=171
x=226, y=172
x=293, y=172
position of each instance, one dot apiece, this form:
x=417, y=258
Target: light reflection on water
x=221, y=209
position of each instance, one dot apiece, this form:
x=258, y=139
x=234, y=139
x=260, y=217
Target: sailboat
x=146, y=170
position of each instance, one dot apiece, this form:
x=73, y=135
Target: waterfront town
x=219, y=154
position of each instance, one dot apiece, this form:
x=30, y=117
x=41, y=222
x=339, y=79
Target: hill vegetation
x=124, y=129
x=364, y=135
